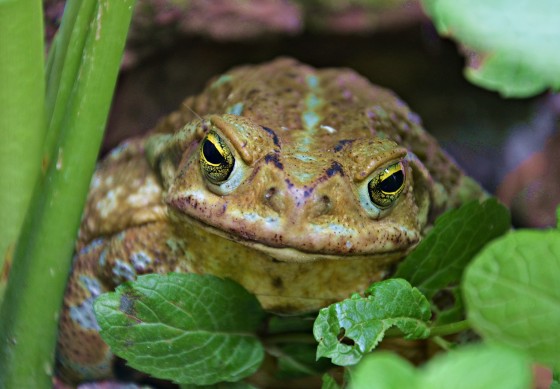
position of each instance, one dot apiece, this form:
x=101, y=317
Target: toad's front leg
x=99, y=267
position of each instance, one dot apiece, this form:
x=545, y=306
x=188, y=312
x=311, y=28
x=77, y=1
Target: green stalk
x=22, y=116
x=450, y=329
x=442, y=330
x=43, y=254
x=65, y=58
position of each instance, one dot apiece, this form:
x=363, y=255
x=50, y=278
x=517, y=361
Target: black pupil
x=392, y=183
x=212, y=154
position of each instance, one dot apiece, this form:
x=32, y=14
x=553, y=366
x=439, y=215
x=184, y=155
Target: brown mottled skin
x=293, y=223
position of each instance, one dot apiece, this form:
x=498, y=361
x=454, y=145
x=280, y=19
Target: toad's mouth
x=312, y=246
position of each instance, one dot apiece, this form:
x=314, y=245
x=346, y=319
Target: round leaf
x=512, y=295
x=494, y=367
x=384, y=370
x=514, y=46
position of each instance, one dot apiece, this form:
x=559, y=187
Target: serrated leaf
x=439, y=260
x=514, y=46
x=349, y=329
x=512, y=295
x=187, y=328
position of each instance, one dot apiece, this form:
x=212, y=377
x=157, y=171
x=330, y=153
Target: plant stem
x=443, y=330
x=43, y=254
x=300, y=337
x=22, y=116
x=449, y=329
x=442, y=343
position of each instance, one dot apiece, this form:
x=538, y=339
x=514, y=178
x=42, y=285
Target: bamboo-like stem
x=22, y=117
x=29, y=313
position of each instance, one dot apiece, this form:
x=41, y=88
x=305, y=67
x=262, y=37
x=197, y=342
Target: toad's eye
x=216, y=159
x=386, y=187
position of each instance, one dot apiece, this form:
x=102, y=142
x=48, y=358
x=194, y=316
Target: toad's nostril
x=326, y=202
x=321, y=206
x=274, y=199
x=269, y=193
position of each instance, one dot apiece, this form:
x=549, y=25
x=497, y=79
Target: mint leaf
x=512, y=293
x=349, y=329
x=439, y=260
x=478, y=367
x=187, y=328
x=493, y=367
x=514, y=46
x=386, y=370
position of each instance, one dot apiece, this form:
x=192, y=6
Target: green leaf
x=329, y=382
x=187, y=328
x=439, y=260
x=513, y=46
x=298, y=360
x=453, y=313
x=349, y=329
x=558, y=217
x=512, y=295
x=493, y=367
x=290, y=324
x=384, y=370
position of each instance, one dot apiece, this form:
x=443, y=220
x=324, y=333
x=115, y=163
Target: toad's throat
x=283, y=279
x=293, y=253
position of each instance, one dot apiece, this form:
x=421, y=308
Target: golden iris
x=216, y=159
x=386, y=186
